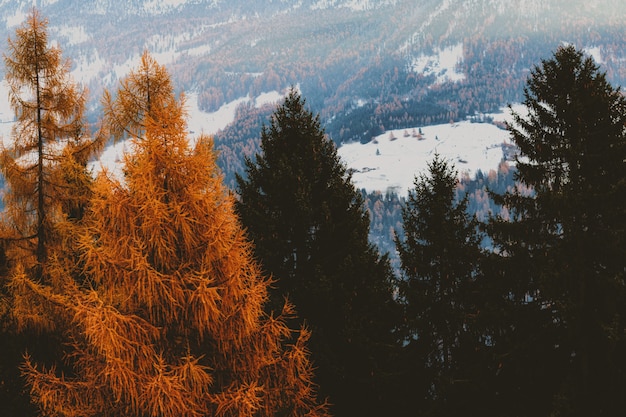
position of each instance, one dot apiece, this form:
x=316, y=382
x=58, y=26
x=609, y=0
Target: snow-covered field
x=392, y=160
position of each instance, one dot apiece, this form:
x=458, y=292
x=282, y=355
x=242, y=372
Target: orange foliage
x=167, y=319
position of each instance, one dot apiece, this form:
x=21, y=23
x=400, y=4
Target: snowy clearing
x=391, y=161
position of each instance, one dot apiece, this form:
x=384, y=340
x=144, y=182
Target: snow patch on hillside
x=417, y=37
x=199, y=50
x=88, y=68
x=595, y=53
x=16, y=19
x=356, y=5
x=72, y=35
x=199, y=121
x=272, y=97
x=391, y=161
x=162, y=6
x=443, y=64
x=7, y=116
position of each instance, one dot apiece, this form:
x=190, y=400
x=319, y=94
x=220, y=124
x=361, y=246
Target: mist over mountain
x=366, y=66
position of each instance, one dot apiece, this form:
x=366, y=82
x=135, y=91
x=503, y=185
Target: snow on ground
x=16, y=19
x=505, y=116
x=162, y=6
x=199, y=50
x=87, y=69
x=355, y=5
x=273, y=97
x=596, y=53
x=392, y=160
x=7, y=116
x=200, y=121
x=72, y=35
x=443, y=63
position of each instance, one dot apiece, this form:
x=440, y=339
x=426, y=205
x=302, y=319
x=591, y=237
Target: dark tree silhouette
x=310, y=231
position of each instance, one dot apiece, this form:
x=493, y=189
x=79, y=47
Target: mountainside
x=367, y=66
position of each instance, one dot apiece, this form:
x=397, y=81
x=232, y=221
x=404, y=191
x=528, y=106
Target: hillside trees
x=566, y=237
x=310, y=232
x=440, y=258
x=168, y=319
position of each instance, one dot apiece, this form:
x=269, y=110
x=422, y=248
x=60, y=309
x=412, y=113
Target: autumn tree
x=48, y=137
x=310, y=231
x=440, y=255
x=169, y=318
x=139, y=96
x=566, y=239
x=47, y=188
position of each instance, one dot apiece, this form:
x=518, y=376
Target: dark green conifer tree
x=440, y=254
x=310, y=231
x=565, y=248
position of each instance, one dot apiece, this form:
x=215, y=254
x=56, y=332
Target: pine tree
x=168, y=319
x=568, y=233
x=440, y=254
x=311, y=234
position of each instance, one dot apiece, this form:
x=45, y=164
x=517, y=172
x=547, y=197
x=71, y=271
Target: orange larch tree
x=44, y=164
x=50, y=148
x=167, y=318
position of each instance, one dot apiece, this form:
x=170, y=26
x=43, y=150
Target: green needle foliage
x=440, y=254
x=311, y=234
x=565, y=243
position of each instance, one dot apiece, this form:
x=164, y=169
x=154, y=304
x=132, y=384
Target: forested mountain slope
x=366, y=66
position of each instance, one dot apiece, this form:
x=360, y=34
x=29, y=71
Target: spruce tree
x=567, y=237
x=168, y=319
x=311, y=234
x=440, y=256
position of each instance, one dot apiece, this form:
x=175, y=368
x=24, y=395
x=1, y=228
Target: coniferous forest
x=161, y=292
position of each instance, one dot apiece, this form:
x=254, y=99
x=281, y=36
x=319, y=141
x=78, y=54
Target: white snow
x=443, y=63
x=87, y=69
x=356, y=5
x=470, y=146
x=7, y=116
x=392, y=160
x=417, y=37
x=161, y=6
x=595, y=53
x=272, y=97
x=199, y=121
x=73, y=35
x=16, y=19
x=111, y=161
x=199, y=50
